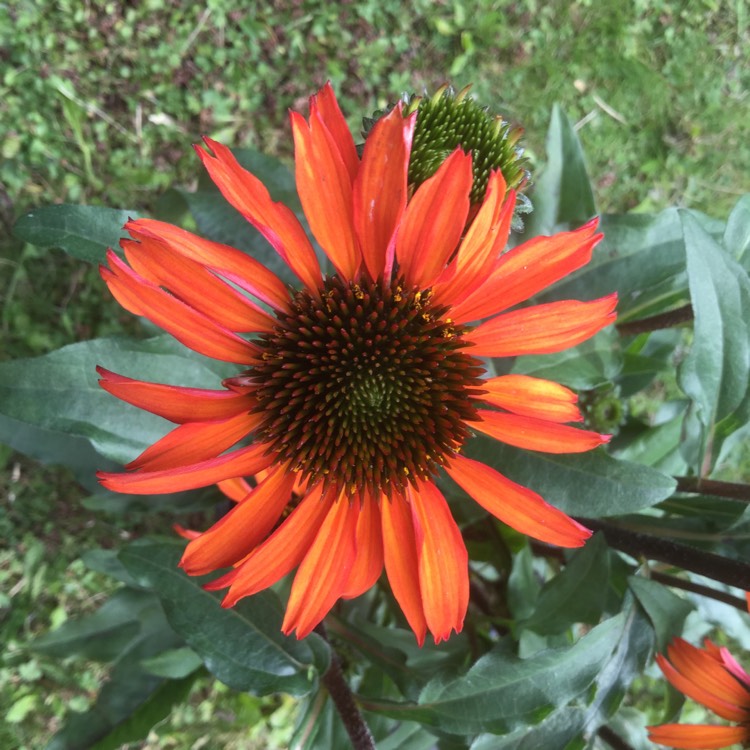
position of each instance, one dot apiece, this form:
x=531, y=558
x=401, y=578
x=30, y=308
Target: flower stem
x=636, y=544
x=341, y=694
x=733, y=490
x=613, y=739
x=697, y=588
x=655, y=322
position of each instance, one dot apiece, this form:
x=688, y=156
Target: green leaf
x=84, y=232
x=563, y=194
x=737, y=234
x=588, y=484
x=714, y=374
x=523, y=584
x=577, y=594
x=666, y=610
x=243, y=645
x=174, y=664
x=582, y=367
x=59, y=392
x=319, y=726
x=501, y=690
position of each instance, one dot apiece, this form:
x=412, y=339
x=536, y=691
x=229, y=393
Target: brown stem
x=655, y=322
x=733, y=490
x=636, y=544
x=697, y=588
x=612, y=739
x=341, y=694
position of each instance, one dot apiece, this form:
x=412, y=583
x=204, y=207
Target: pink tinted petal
x=380, y=189
x=517, y=506
x=434, y=221
x=274, y=221
x=443, y=562
x=330, y=113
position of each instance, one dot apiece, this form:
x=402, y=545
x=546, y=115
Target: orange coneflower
x=711, y=676
x=361, y=385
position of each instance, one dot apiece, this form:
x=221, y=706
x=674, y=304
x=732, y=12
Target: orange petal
x=323, y=574
x=697, y=736
x=368, y=564
x=701, y=667
x=515, y=505
x=194, y=285
x=325, y=190
x=236, y=489
x=401, y=563
x=380, y=189
x=484, y=241
x=274, y=221
x=443, y=562
x=537, y=434
x=330, y=114
x=188, y=326
x=245, y=526
x=279, y=554
x=532, y=397
x=699, y=693
x=434, y=221
x=242, y=270
x=542, y=329
x=175, y=403
x=193, y=442
x=527, y=269
x=242, y=462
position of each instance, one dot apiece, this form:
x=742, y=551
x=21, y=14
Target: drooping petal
x=279, y=554
x=274, y=221
x=479, y=249
x=380, y=189
x=193, y=284
x=697, y=736
x=245, y=526
x=532, y=397
x=188, y=326
x=238, y=267
x=368, y=564
x=242, y=462
x=528, y=269
x=542, y=329
x=325, y=190
x=700, y=694
x=330, y=113
x=177, y=404
x=443, y=561
x=434, y=221
x=515, y=505
x=195, y=441
x=537, y=434
x=236, y=489
x=401, y=563
x=322, y=575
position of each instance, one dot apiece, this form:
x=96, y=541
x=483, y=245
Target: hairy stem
x=697, y=588
x=733, y=490
x=655, y=322
x=343, y=698
x=613, y=739
x=636, y=544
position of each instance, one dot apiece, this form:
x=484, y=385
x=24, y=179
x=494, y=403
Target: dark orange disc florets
x=365, y=386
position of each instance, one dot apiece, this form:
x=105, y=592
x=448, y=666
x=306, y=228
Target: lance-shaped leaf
x=243, y=645
x=714, y=374
x=737, y=234
x=84, y=232
x=666, y=610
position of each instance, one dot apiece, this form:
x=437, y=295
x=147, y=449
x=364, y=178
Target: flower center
x=365, y=386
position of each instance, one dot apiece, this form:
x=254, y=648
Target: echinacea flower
x=712, y=677
x=359, y=385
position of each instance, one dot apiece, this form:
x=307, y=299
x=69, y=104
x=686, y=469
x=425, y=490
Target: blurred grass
x=100, y=102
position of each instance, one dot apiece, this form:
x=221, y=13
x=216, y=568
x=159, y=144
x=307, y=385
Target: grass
x=105, y=98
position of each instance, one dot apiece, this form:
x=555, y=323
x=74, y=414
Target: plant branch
x=697, y=588
x=733, y=490
x=613, y=739
x=636, y=544
x=343, y=698
x=655, y=322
